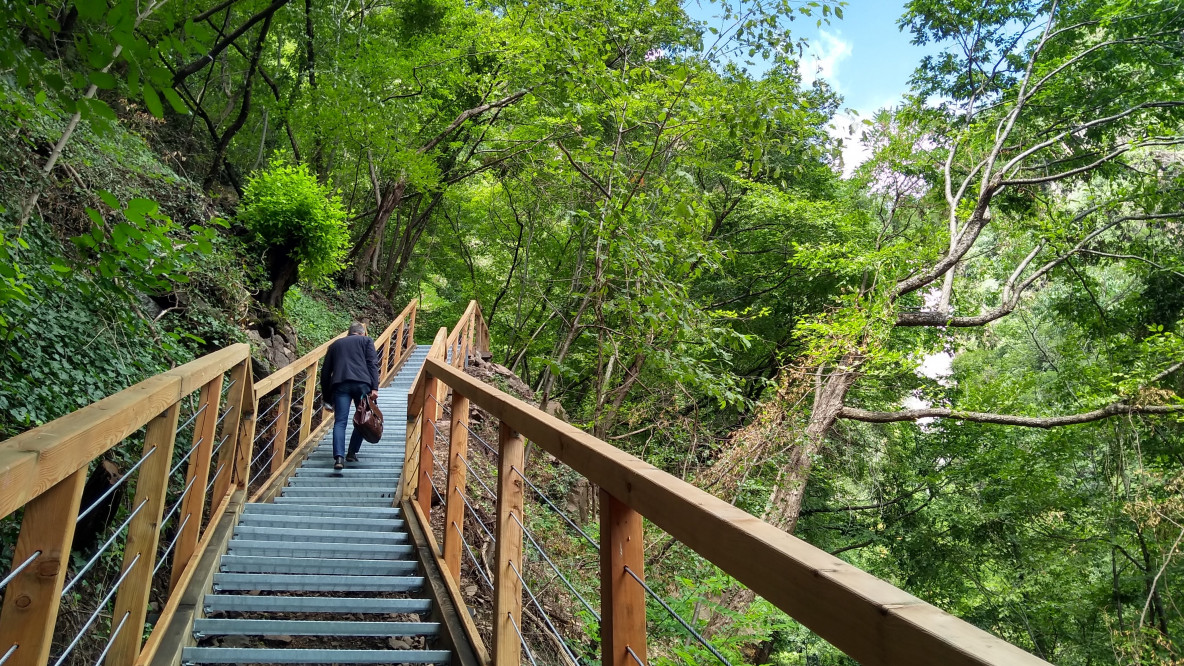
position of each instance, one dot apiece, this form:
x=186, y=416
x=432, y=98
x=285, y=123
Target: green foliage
x=315, y=321
x=291, y=213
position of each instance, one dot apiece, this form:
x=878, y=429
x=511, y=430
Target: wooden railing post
x=239, y=399
x=622, y=599
x=454, y=503
x=31, y=599
x=411, y=328
x=279, y=445
x=245, y=447
x=507, y=594
x=196, y=477
x=310, y=393
x=427, y=440
x=143, y=536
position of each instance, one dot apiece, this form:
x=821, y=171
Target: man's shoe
x=338, y=463
x=351, y=457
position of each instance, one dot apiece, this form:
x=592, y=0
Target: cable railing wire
x=8, y=654
x=556, y=508
x=107, y=493
x=172, y=544
x=17, y=571
x=477, y=478
x=678, y=617
x=518, y=631
x=180, y=500
x=633, y=654
x=98, y=553
x=478, y=517
x=479, y=438
x=210, y=484
x=555, y=567
x=111, y=638
x=227, y=412
x=193, y=417
x=186, y=456
x=546, y=618
x=472, y=556
x=99, y=609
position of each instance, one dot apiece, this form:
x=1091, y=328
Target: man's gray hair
x=357, y=328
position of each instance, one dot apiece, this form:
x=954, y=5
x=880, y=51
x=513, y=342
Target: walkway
x=328, y=566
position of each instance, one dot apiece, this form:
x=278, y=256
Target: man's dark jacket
x=350, y=359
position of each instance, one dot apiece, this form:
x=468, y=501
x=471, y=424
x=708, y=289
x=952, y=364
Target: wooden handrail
x=868, y=618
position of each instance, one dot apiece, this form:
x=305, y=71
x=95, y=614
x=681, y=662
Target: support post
x=507, y=593
x=196, y=477
x=427, y=441
x=143, y=536
x=622, y=599
x=310, y=393
x=240, y=399
x=454, y=504
x=411, y=328
x=245, y=450
x=279, y=445
x=31, y=599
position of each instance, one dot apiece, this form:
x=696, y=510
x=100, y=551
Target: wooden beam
x=410, y=474
x=31, y=599
x=507, y=593
x=454, y=503
x=310, y=394
x=622, y=599
x=196, y=477
x=239, y=399
x=143, y=536
x=868, y=618
x=427, y=445
x=279, y=443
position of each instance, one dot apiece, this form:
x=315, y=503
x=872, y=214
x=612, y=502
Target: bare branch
x=1111, y=410
x=587, y=176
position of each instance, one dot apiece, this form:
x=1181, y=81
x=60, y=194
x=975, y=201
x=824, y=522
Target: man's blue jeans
x=344, y=394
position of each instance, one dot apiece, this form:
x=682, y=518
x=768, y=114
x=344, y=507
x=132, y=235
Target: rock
x=470, y=590
x=235, y=641
x=397, y=643
x=282, y=638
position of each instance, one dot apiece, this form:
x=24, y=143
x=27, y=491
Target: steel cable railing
x=163, y=557
x=17, y=571
x=686, y=625
x=542, y=612
x=102, y=604
x=107, y=493
x=633, y=654
x=518, y=631
x=473, y=556
x=102, y=549
x=555, y=567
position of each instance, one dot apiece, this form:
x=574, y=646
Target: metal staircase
x=327, y=566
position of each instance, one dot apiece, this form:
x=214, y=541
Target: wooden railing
x=868, y=618
x=213, y=406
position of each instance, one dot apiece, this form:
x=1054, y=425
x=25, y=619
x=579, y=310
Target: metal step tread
x=339, y=523
x=291, y=604
x=248, y=532
x=352, y=551
x=228, y=627
x=262, y=564
x=316, y=583
x=214, y=655
x=322, y=510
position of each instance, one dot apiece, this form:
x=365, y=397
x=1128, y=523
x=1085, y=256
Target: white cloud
x=823, y=59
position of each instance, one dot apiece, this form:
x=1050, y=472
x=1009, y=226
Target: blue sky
x=864, y=56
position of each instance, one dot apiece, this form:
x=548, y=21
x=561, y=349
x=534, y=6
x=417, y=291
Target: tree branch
x=199, y=64
x=1114, y=409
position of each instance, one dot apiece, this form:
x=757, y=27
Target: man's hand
x=374, y=395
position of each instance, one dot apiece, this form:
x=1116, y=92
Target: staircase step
x=369, y=492
x=322, y=522
x=322, y=510
x=337, y=503
x=230, y=627
x=247, y=532
x=245, y=603
x=315, y=583
x=210, y=655
x=348, y=480
x=354, y=551
x=315, y=565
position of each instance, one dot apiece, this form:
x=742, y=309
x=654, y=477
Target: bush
x=299, y=223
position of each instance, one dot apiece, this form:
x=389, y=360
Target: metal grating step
x=356, y=551
x=338, y=502
x=315, y=565
x=315, y=583
x=247, y=532
x=322, y=522
x=240, y=603
x=198, y=655
x=369, y=492
x=321, y=510
x=224, y=627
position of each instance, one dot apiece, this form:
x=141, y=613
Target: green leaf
x=175, y=101
x=152, y=100
x=103, y=80
x=109, y=199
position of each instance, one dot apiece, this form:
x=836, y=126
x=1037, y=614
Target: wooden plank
x=240, y=398
x=419, y=534
x=310, y=393
x=454, y=504
x=427, y=445
x=868, y=618
x=279, y=444
x=143, y=536
x=273, y=381
x=411, y=460
x=196, y=476
x=31, y=599
x=622, y=599
x=197, y=373
x=507, y=587
x=66, y=445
